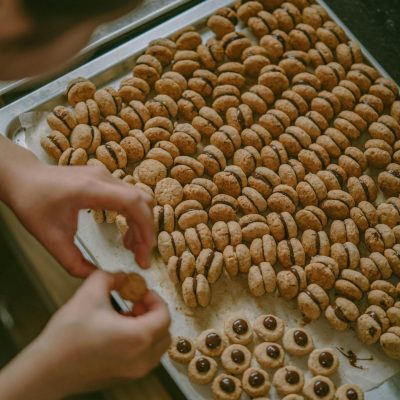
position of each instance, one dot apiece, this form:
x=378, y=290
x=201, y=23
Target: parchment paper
x=229, y=296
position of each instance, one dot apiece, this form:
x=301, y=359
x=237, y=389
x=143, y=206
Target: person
x=87, y=345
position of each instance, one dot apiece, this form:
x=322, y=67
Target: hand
x=47, y=200
x=87, y=345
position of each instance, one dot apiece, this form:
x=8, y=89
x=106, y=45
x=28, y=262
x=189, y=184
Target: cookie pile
x=237, y=360
x=256, y=156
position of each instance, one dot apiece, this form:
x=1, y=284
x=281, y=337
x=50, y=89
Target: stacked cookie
x=241, y=358
x=257, y=156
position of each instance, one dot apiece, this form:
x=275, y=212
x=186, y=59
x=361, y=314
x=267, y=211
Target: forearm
x=35, y=374
x=14, y=161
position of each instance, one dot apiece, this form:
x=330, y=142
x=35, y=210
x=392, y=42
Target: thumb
x=97, y=287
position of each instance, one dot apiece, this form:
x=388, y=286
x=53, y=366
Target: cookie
x=85, y=137
x=303, y=37
x=263, y=249
x=113, y=156
x=379, y=297
x=295, y=140
x=255, y=382
x=334, y=142
x=162, y=105
x=362, y=189
x=338, y=204
x=291, y=173
x=186, y=38
x=251, y=201
x=87, y=112
x=211, y=53
x=379, y=238
x=269, y=355
x=249, y=9
x=189, y=104
x=198, y=239
x=351, y=285
x=323, y=271
x=273, y=76
x=149, y=172
x=323, y=362
x=226, y=387
x=226, y=139
x=61, y=119
x=275, y=122
x=319, y=387
x=288, y=380
x=312, y=302
x=369, y=108
x=238, y=330
x=236, y=359
x=348, y=122
x=237, y=259
x=392, y=257
x=264, y=180
x=224, y=97
x=223, y=208
x=211, y=343
x=341, y=313
x=390, y=341
x=136, y=145
x=297, y=342
x=386, y=89
x=234, y=44
x=281, y=226
x=207, y=122
x=261, y=279
x=321, y=54
x=262, y=24
x=255, y=136
x=253, y=226
x=362, y=75
x=283, y=198
x=196, y=291
x=222, y=22
x=291, y=252
x=333, y=177
x=190, y=213
x=311, y=217
x=168, y=191
x=55, y=144
x=212, y=159
x=186, y=169
x=269, y=327
x=108, y=101
x=346, y=255
x=254, y=60
x=179, y=268
x=315, y=158
x=307, y=85
x=349, y=391
x=80, y=89
x=274, y=155
x=247, y=158
x=133, y=88
x=331, y=34
x=330, y=75
x=182, y=349
x=231, y=73
x=364, y=215
x=288, y=16
x=202, y=370
x=164, y=218
x=311, y=191
x=200, y=189
x=316, y=243
x=209, y=263
x=291, y=282
x=135, y=115
x=389, y=212
x=170, y=244
x=389, y=180
x=314, y=15
x=344, y=231
x=372, y=324
x=230, y=181
x=327, y=104
x=148, y=68
x=291, y=103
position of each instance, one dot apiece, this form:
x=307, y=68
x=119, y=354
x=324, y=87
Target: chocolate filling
x=337, y=176
x=348, y=255
x=63, y=119
x=292, y=17
x=281, y=40
x=333, y=69
x=321, y=159
x=206, y=80
x=178, y=269
x=70, y=157
x=310, y=116
x=208, y=263
x=237, y=356
x=331, y=30
x=159, y=102
x=391, y=129
x=210, y=155
x=322, y=56
x=161, y=219
x=368, y=103
x=321, y=388
x=313, y=298
x=292, y=377
x=294, y=271
x=237, y=177
x=115, y=128
x=291, y=252
x=256, y=379
x=270, y=322
x=387, y=87
x=203, y=365
x=273, y=351
x=54, y=140
x=276, y=151
x=232, y=39
x=227, y=385
x=318, y=242
x=375, y=317
x=112, y=153
x=326, y=359
x=183, y=346
x=213, y=340
x=240, y=326
x=364, y=73
x=351, y=394
x=240, y=118
x=284, y=226
x=261, y=17
x=279, y=120
x=173, y=244
x=209, y=122
x=256, y=175
x=328, y=100
x=394, y=173
x=306, y=34
x=339, y=314
x=300, y=338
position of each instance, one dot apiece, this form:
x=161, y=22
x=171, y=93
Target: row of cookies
x=237, y=360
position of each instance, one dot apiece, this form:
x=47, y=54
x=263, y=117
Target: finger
x=97, y=288
x=139, y=309
x=156, y=320
x=135, y=243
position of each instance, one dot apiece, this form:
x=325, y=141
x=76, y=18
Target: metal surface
x=144, y=12
x=112, y=66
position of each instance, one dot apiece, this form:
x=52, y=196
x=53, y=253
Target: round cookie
x=202, y=370
x=150, y=172
x=80, y=89
x=211, y=343
x=297, y=342
x=168, y=191
x=269, y=327
x=323, y=362
x=255, y=382
x=349, y=391
x=226, y=387
x=182, y=349
x=288, y=380
x=319, y=387
x=236, y=359
x=269, y=355
x=238, y=330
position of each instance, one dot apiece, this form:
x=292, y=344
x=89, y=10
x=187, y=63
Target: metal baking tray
x=144, y=12
x=109, y=69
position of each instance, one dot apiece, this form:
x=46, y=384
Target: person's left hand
x=47, y=200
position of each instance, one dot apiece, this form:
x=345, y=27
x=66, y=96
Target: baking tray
x=144, y=12
x=108, y=69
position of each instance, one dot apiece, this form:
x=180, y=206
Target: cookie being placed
x=323, y=362
x=298, y=342
x=288, y=380
x=269, y=355
x=269, y=327
x=236, y=359
x=182, y=349
x=319, y=387
x=226, y=387
x=134, y=288
x=202, y=370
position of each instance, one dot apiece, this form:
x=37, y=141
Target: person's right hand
x=87, y=345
